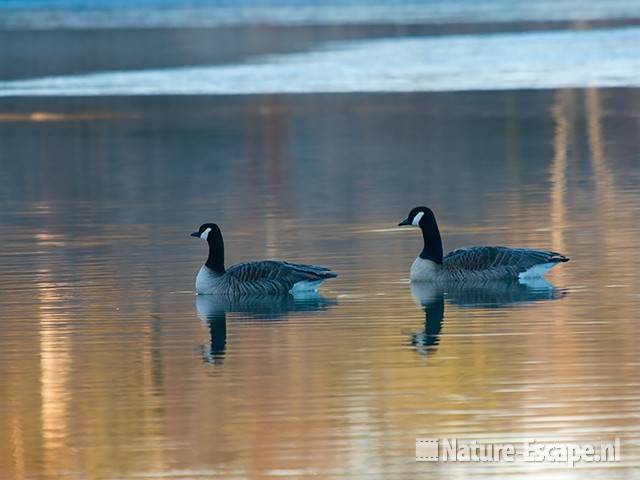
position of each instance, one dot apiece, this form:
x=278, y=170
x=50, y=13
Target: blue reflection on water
x=600, y=58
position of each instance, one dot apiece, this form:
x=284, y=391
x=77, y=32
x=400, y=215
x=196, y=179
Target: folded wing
x=495, y=262
x=273, y=276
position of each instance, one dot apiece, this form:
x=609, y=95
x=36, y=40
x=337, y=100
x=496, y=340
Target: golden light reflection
x=559, y=171
x=55, y=364
x=602, y=172
x=17, y=440
x=64, y=117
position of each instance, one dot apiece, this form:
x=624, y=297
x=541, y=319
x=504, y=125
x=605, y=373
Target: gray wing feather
x=273, y=276
x=497, y=261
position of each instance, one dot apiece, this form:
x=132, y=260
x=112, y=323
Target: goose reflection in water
x=213, y=310
x=489, y=294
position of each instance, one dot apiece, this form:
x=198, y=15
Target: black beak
x=196, y=234
x=404, y=222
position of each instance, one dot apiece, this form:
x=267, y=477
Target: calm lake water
x=111, y=368
x=123, y=128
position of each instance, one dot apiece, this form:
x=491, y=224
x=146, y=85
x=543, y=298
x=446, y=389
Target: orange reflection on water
x=64, y=117
x=102, y=366
x=558, y=171
x=55, y=364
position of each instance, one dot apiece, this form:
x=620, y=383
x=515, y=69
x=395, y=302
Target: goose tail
x=315, y=271
x=550, y=260
x=558, y=258
x=314, y=277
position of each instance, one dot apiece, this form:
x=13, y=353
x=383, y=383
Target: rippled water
x=110, y=367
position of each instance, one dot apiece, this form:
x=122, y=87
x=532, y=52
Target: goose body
x=473, y=263
x=266, y=277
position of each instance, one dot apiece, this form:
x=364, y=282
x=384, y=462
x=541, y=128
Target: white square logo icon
x=426, y=449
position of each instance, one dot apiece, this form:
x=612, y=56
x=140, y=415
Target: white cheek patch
x=416, y=219
x=204, y=235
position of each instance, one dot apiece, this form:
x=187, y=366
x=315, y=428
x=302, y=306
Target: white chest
x=206, y=281
x=423, y=270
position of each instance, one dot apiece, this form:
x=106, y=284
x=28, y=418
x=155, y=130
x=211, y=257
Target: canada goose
x=266, y=277
x=473, y=263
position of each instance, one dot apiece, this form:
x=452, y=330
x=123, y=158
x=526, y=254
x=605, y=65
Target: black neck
x=432, y=242
x=215, y=261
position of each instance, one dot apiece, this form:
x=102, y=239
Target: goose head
x=207, y=231
x=210, y=232
x=418, y=217
x=424, y=218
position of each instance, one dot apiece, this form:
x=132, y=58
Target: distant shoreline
x=31, y=53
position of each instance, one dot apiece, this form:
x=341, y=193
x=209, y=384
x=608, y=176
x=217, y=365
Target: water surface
x=85, y=14
x=499, y=61
x=111, y=368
